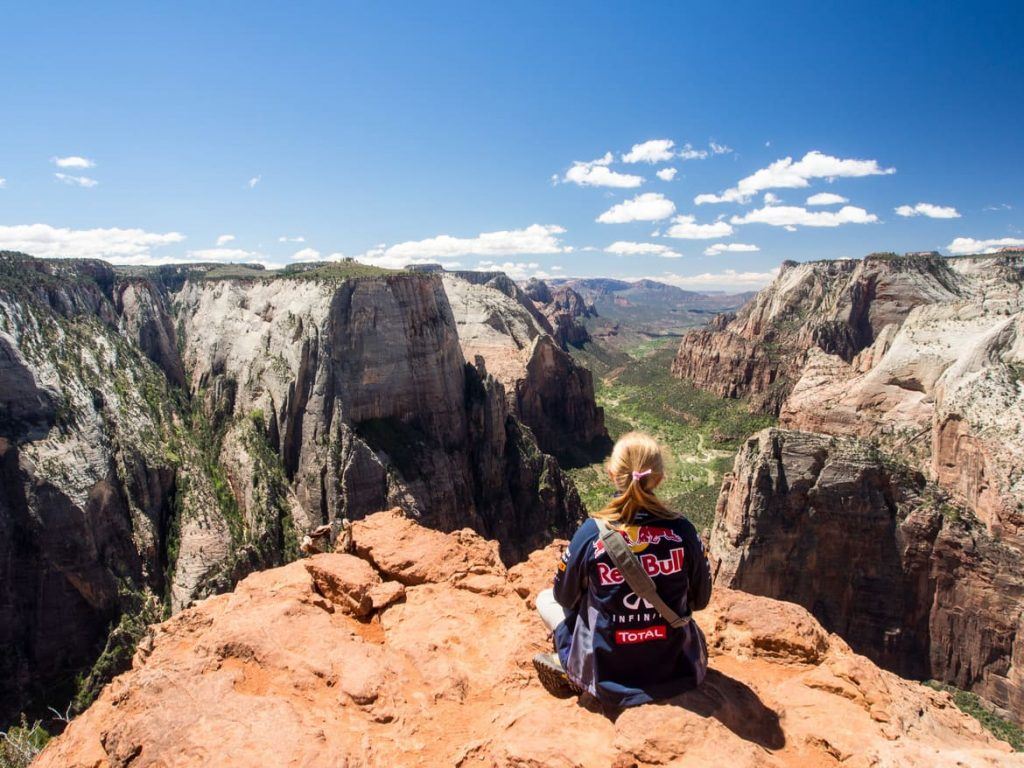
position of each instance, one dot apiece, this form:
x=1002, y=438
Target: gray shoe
x=552, y=675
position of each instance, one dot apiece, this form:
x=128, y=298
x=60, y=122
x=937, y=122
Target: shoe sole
x=553, y=678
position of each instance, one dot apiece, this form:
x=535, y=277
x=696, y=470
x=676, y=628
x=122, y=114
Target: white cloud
x=224, y=239
x=626, y=248
x=74, y=161
x=117, y=245
x=687, y=228
x=310, y=254
x=929, y=210
x=296, y=239
x=653, y=151
x=650, y=206
x=999, y=207
x=719, y=149
x=689, y=153
x=378, y=256
x=826, y=198
x=667, y=174
x=770, y=199
x=517, y=270
x=965, y=245
x=3, y=182
x=794, y=216
x=786, y=174
x=596, y=173
x=535, y=239
x=718, y=248
x=76, y=181
x=727, y=280
x=255, y=180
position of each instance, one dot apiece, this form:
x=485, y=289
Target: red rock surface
x=278, y=673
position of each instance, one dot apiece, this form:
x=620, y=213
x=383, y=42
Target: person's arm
x=699, y=594
x=571, y=576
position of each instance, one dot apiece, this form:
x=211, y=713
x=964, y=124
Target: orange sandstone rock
x=275, y=674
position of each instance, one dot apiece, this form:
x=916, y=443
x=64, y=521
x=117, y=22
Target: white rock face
x=943, y=386
x=367, y=398
x=552, y=395
x=495, y=326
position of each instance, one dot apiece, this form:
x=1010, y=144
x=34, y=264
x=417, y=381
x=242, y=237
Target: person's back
x=610, y=642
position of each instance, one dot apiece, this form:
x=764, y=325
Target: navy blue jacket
x=614, y=645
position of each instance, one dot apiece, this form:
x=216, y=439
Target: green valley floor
x=700, y=431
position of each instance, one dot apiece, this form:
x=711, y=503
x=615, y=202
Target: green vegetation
x=970, y=703
x=19, y=744
x=141, y=608
x=335, y=271
x=701, y=431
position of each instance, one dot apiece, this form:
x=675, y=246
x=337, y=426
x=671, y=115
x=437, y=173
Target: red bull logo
x=651, y=564
x=640, y=536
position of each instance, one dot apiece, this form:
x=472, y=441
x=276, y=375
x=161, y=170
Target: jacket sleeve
x=699, y=593
x=571, y=576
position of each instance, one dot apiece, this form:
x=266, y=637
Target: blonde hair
x=636, y=466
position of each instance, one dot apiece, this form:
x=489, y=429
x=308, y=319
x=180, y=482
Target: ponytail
x=636, y=466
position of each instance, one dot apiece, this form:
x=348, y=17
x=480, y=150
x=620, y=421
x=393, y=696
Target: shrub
x=21, y=743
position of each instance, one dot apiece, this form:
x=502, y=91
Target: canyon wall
x=512, y=332
x=86, y=479
x=878, y=555
x=911, y=363
x=165, y=432
x=921, y=353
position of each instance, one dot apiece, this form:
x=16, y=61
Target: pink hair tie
x=638, y=475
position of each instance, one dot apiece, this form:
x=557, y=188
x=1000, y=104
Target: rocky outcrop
x=547, y=389
x=879, y=556
x=556, y=399
x=384, y=658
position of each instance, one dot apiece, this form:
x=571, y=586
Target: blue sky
x=448, y=132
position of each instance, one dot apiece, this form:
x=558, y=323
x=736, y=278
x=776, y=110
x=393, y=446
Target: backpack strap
x=634, y=574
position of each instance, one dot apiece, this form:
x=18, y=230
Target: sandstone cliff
x=164, y=433
x=917, y=359
x=385, y=659
x=839, y=307
x=921, y=354
x=369, y=402
x=547, y=389
x=565, y=310
x=86, y=475
x=879, y=556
